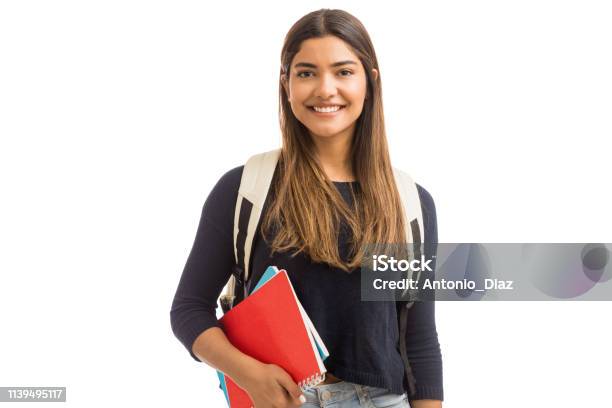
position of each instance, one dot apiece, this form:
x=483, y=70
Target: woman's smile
x=326, y=111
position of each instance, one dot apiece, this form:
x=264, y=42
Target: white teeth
x=326, y=109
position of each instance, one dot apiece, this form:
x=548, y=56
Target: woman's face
x=327, y=87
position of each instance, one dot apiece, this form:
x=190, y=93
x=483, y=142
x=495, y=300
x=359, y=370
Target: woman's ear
x=375, y=75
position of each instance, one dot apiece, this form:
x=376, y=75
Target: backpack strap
x=254, y=186
x=409, y=196
x=414, y=235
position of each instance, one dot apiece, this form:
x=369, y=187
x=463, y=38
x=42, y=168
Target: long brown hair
x=307, y=209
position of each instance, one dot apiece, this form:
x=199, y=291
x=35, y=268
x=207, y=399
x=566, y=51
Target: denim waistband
x=335, y=392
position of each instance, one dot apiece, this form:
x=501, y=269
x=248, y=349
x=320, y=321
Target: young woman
x=332, y=193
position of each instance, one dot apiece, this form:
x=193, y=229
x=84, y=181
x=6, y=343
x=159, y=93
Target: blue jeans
x=345, y=394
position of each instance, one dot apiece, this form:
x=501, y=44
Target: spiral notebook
x=271, y=326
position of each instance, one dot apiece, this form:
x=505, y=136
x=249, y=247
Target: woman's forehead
x=324, y=52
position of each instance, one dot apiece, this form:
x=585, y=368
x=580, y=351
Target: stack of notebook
x=271, y=326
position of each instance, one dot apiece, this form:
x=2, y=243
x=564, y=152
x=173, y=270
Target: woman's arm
x=424, y=353
x=192, y=315
x=266, y=384
x=421, y=335
x=208, y=266
x=426, y=404
x=213, y=348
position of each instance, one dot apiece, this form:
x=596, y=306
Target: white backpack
x=254, y=188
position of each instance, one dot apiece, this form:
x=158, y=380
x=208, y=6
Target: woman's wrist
x=426, y=404
x=246, y=371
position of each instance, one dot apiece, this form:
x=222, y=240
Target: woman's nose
x=326, y=86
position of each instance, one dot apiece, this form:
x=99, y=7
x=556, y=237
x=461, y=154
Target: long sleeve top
x=362, y=337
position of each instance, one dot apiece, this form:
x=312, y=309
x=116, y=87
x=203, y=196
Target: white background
x=118, y=117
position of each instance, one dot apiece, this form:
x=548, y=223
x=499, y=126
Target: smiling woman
x=332, y=193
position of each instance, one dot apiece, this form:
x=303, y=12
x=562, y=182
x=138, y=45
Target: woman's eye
x=307, y=74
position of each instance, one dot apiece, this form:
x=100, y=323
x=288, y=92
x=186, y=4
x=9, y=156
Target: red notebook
x=269, y=326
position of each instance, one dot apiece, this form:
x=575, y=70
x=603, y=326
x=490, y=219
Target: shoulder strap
x=415, y=235
x=409, y=196
x=254, y=186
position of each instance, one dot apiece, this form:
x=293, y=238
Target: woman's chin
x=325, y=133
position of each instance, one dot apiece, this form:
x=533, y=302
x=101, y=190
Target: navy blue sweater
x=362, y=337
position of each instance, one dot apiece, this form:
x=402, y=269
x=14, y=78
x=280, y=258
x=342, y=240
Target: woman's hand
x=269, y=386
